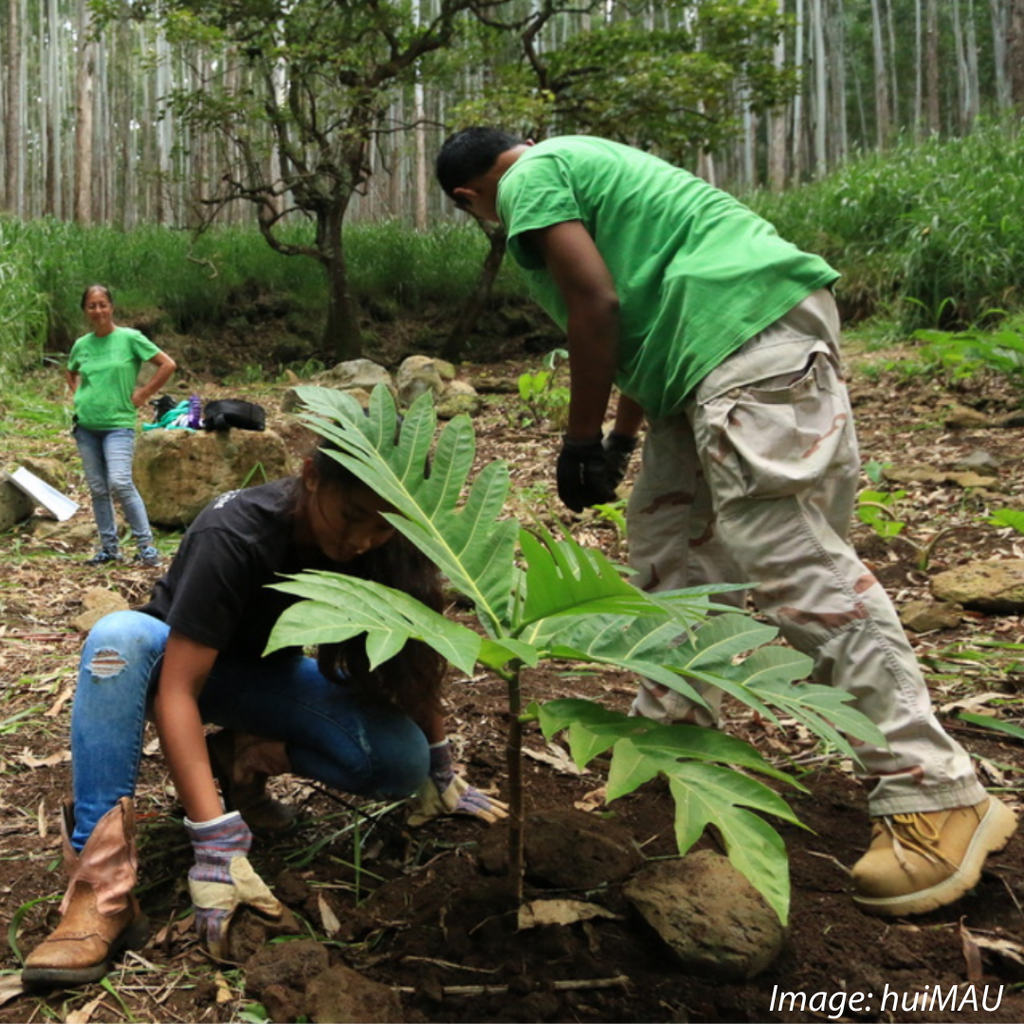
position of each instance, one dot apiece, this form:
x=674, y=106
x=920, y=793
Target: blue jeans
x=107, y=460
x=331, y=734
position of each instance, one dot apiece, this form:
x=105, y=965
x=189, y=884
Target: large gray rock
x=995, y=586
x=355, y=373
x=292, y=403
x=457, y=398
x=179, y=472
x=420, y=374
x=52, y=471
x=711, y=917
x=15, y=505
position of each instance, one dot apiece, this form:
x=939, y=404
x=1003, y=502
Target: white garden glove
x=222, y=879
x=443, y=792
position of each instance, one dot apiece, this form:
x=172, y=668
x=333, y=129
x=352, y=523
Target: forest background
x=161, y=146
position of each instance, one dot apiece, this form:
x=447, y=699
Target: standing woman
x=102, y=371
x=194, y=655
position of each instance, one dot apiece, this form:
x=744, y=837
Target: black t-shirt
x=215, y=591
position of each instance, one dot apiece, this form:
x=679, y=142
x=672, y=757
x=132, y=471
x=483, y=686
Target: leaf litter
x=416, y=942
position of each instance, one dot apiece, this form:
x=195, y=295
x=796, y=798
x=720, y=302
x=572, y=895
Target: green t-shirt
x=108, y=368
x=696, y=272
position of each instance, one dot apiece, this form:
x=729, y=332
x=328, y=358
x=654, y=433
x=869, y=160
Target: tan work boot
x=241, y=765
x=919, y=862
x=100, y=916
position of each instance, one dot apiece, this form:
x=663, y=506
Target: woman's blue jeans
x=107, y=460
x=331, y=734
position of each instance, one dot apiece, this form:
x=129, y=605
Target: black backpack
x=234, y=412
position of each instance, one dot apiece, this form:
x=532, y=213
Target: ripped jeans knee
x=119, y=668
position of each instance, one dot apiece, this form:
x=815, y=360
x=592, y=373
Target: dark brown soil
x=415, y=911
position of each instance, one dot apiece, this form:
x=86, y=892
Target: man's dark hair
x=468, y=154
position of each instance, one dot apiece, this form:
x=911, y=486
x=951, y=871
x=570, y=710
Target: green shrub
x=929, y=232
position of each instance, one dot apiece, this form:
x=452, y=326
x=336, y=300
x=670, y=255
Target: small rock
x=918, y=474
x=98, y=601
x=924, y=616
x=979, y=461
x=970, y=479
x=960, y=417
x=69, y=531
x=1011, y=419
x=709, y=915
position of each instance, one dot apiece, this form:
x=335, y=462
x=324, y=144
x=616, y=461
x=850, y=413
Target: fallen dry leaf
x=592, y=800
x=557, y=758
x=10, y=988
x=1001, y=947
x=30, y=760
x=224, y=993
x=972, y=954
x=544, y=912
x=84, y=1015
x=330, y=920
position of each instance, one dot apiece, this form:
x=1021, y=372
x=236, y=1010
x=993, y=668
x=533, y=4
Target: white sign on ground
x=43, y=494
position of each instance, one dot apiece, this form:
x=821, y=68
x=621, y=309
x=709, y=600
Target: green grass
x=929, y=234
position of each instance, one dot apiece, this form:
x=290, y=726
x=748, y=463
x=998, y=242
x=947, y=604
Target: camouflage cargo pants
x=756, y=481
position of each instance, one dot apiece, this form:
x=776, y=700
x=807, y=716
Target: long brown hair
x=412, y=678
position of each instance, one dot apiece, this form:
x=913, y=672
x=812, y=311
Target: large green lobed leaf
x=460, y=530
x=336, y=608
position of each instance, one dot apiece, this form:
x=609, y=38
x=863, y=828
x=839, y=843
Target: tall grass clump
x=23, y=311
x=929, y=233
x=389, y=261
x=200, y=282
x=192, y=281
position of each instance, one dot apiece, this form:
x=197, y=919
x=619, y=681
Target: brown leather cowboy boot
x=241, y=764
x=100, y=916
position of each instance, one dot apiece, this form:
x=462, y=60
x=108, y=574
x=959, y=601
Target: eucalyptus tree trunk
x=918, y=114
x=777, y=120
x=931, y=44
x=13, y=149
x=883, y=117
x=101, y=165
x=1015, y=53
x=798, y=100
x=1000, y=15
x=963, y=93
x=164, y=132
x=84, y=88
x=894, y=84
x=836, y=43
x=973, y=75
x=820, y=90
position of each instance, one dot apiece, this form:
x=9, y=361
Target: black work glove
x=582, y=474
x=618, y=449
